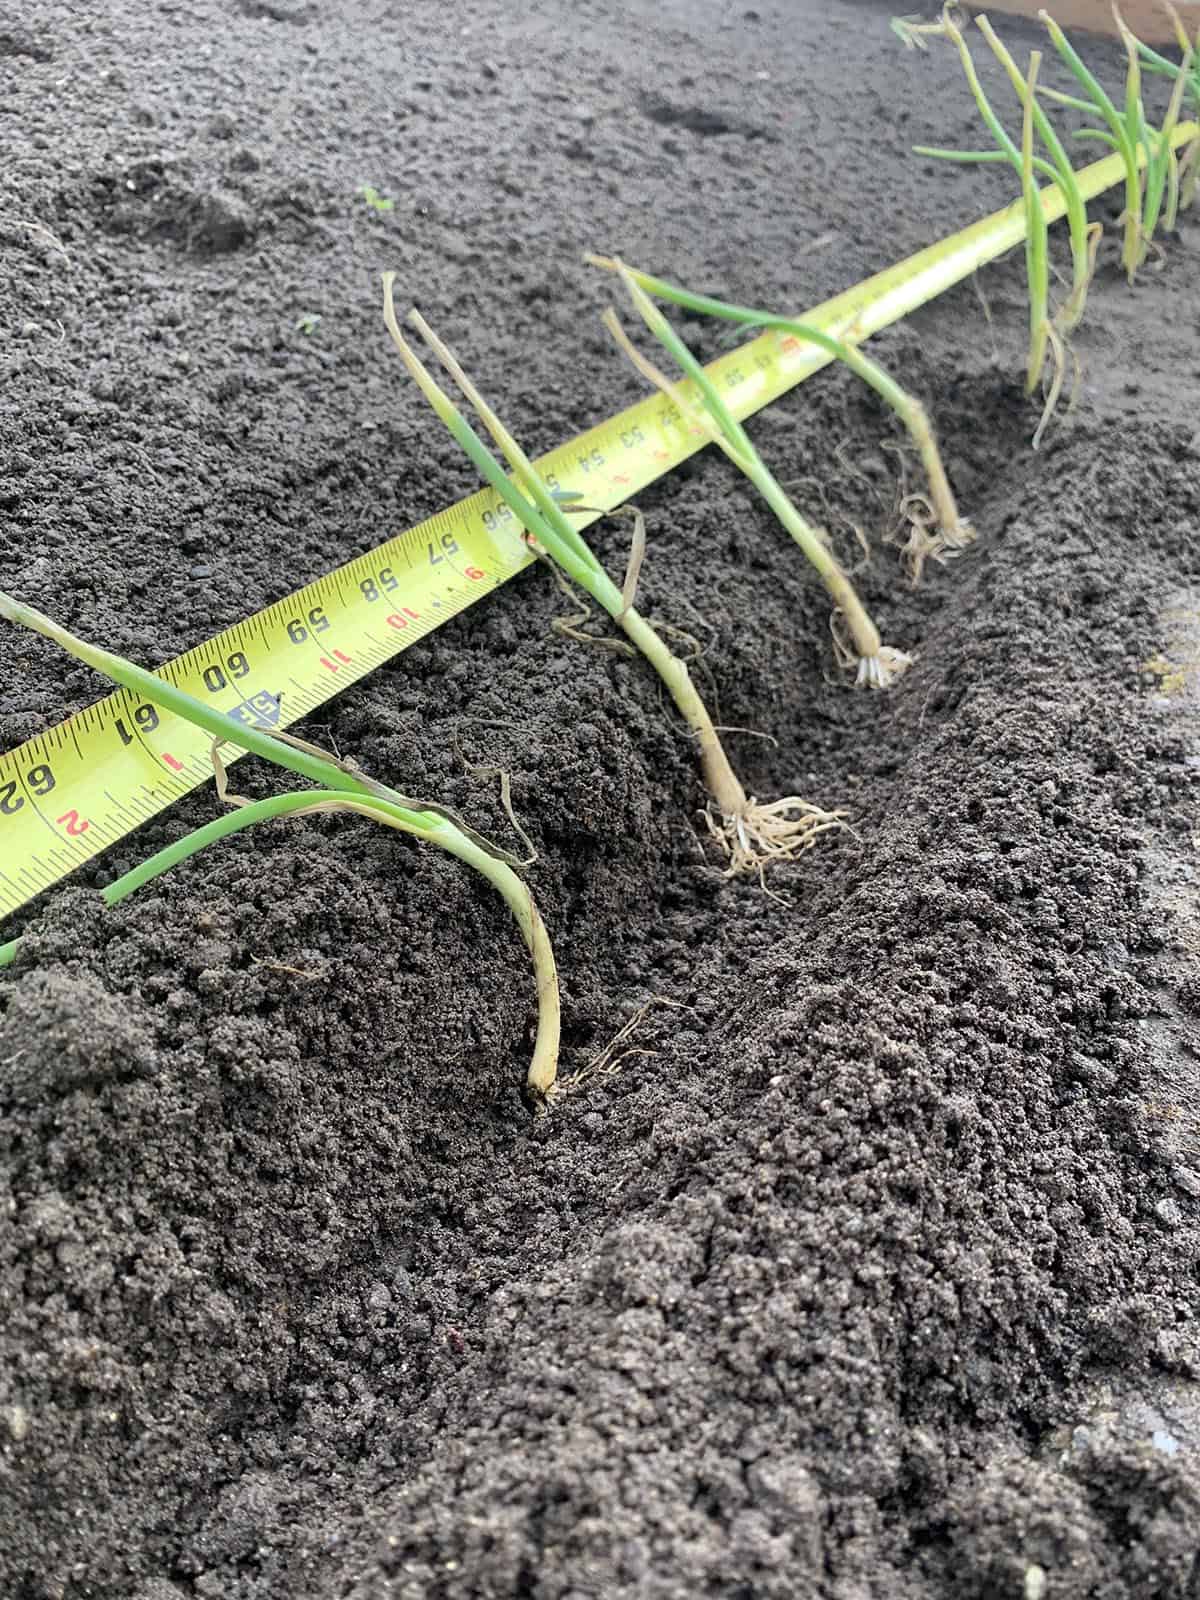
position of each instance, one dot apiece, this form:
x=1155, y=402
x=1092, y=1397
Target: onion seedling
x=1043, y=336
x=1155, y=62
x=1045, y=332
x=341, y=788
x=1184, y=170
x=1161, y=174
x=1084, y=236
x=1131, y=136
x=1163, y=165
x=1118, y=138
x=753, y=834
x=953, y=533
x=856, y=638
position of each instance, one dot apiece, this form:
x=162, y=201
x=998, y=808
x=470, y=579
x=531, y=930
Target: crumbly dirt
x=872, y=1269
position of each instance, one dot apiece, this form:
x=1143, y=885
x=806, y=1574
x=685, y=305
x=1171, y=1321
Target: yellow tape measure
x=69, y=793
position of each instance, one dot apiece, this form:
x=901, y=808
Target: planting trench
x=871, y=1269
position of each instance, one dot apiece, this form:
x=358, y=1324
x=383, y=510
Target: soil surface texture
x=868, y=1268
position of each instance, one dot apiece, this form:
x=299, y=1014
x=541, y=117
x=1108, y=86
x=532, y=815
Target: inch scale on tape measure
x=69, y=793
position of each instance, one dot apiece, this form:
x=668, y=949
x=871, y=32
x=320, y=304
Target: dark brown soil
x=874, y=1272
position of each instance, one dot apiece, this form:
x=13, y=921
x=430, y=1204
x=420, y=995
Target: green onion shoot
x=952, y=533
x=752, y=834
x=1044, y=340
x=1045, y=331
x=1084, y=236
x=1161, y=192
x=1184, y=170
x=1127, y=131
x=341, y=789
x=856, y=638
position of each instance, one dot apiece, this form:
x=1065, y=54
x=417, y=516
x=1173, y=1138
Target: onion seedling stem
x=1155, y=142
x=1036, y=247
x=752, y=834
x=955, y=533
x=340, y=790
x=1162, y=174
x=1133, y=251
x=1182, y=171
x=1044, y=333
x=1085, y=236
x=876, y=664
x=1059, y=169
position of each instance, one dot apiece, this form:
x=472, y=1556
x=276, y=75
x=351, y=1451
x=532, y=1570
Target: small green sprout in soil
x=1129, y=133
x=1161, y=178
x=1157, y=181
x=374, y=199
x=1044, y=340
x=1084, y=235
x=938, y=511
x=309, y=322
x=1046, y=333
x=752, y=834
x=1184, y=171
x=856, y=638
x=341, y=789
